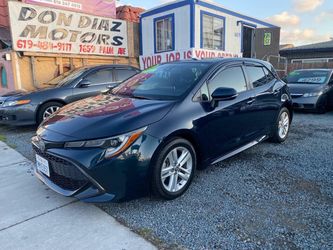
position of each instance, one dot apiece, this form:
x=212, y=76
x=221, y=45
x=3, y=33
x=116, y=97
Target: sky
x=301, y=21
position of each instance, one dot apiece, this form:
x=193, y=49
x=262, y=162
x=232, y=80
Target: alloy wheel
x=50, y=111
x=284, y=124
x=176, y=170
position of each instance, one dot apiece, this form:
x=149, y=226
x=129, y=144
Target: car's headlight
x=114, y=145
x=16, y=103
x=314, y=94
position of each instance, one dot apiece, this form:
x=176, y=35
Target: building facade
x=311, y=53
x=202, y=29
x=40, y=42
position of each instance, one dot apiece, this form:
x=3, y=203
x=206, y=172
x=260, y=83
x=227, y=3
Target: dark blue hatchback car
x=153, y=131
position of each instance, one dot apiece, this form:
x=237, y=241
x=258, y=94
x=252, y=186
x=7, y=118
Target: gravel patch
x=19, y=138
x=269, y=197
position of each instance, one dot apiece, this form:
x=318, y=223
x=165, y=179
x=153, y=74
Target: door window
x=124, y=74
x=202, y=95
x=257, y=76
x=229, y=78
x=100, y=76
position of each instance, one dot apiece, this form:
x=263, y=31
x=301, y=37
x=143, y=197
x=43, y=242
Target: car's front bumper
x=19, y=115
x=308, y=103
x=86, y=175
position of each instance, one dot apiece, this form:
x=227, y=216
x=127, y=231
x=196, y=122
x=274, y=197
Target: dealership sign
x=106, y=8
x=149, y=61
x=42, y=29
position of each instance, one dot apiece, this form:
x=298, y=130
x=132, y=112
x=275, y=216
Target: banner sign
x=149, y=61
x=106, y=8
x=41, y=29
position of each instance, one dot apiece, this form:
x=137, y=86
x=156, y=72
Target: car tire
x=282, y=126
x=322, y=109
x=173, y=169
x=50, y=108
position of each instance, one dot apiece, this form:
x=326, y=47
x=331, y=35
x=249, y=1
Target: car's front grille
x=63, y=173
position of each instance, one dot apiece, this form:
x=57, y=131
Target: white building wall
x=233, y=31
x=182, y=30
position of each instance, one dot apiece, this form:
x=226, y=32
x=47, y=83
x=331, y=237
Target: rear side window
x=100, y=77
x=270, y=77
x=257, y=76
x=124, y=74
x=229, y=78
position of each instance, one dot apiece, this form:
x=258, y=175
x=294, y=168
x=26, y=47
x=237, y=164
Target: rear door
x=95, y=82
x=267, y=98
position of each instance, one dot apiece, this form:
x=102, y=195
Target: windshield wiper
x=140, y=97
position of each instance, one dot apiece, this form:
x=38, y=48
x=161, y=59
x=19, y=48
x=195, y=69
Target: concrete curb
x=34, y=217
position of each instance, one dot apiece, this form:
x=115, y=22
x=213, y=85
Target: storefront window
x=164, y=34
x=212, y=32
x=4, y=83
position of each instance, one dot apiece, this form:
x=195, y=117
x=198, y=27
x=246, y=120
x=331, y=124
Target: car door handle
x=251, y=100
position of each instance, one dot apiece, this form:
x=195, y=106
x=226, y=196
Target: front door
x=225, y=127
x=94, y=83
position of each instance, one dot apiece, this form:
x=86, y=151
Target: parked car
x=157, y=127
x=311, y=89
x=29, y=108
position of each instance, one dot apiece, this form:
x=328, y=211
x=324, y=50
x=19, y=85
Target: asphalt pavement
x=272, y=196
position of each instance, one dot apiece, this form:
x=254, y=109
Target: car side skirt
x=241, y=149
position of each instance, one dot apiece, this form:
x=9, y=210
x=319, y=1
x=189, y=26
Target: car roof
x=108, y=66
x=215, y=61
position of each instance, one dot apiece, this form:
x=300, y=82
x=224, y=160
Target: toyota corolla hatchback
x=154, y=130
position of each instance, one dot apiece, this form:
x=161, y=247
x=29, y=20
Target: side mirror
x=109, y=88
x=223, y=94
x=84, y=84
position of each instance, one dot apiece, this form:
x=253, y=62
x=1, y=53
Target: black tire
x=322, y=109
x=276, y=137
x=156, y=183
x=44, y=107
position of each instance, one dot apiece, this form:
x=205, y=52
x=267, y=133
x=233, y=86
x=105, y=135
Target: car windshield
x=308, y=77
x=163, y=82
x=67, y=77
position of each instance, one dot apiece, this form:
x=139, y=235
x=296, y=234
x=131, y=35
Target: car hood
x=14, y=95
x=105, y=116
x=305, y=88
